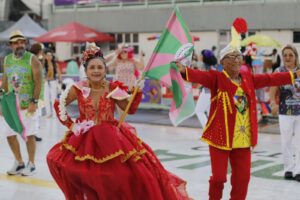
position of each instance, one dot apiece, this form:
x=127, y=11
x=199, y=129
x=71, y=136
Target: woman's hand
x=140, y=83
x=82, y=127
x=118, y=51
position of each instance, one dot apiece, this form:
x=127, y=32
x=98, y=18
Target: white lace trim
x=62, y=104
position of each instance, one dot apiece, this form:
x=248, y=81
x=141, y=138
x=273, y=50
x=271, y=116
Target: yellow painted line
x=29, y=181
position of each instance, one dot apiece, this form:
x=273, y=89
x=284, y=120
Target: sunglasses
x=234, y=57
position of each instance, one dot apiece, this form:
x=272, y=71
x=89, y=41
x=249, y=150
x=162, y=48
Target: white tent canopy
x=27, y=26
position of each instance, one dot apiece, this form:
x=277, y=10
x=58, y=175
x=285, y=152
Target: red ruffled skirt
x=108, y=163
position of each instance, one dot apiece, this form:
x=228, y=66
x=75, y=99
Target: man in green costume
x=23, y=75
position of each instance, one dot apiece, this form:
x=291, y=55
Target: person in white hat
x=231, y=130
x=23, y=68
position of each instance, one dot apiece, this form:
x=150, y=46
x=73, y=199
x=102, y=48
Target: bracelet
x=295, y=75
x=33, y=100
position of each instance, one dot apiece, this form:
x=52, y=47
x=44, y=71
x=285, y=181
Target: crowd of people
x=98, y=149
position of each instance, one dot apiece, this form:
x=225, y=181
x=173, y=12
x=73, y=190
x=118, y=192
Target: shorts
x=29, y=121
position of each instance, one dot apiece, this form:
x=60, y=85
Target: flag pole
x=123, y=116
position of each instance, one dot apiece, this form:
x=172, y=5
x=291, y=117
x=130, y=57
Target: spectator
x=289, y=114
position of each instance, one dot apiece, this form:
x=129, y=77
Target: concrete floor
x=180, y=151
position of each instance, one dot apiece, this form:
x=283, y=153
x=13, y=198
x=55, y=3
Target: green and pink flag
x=10, y=110
x=175, y=45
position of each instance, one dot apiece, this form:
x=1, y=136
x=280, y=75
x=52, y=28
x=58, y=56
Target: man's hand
x=31, y=108
x=181, y=67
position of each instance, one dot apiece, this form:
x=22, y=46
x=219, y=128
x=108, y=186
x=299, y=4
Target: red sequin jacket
x=219, y=129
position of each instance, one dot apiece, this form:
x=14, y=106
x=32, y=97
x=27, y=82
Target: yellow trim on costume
x=229, y=78
x=226, y=105
x=226, y=119
x=137, y=158
x=292, y=77
x=214, y=98
x=100, y=160
x=69, y=147
x=210, y=121
x=140, y=142
x=228, y=100
x=215, y=145
x=109, y=157
x=143, y=151
x=128, y=155
x=226, y=74
x=186, y=74
x=214, y=114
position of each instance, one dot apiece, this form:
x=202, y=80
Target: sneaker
x=297, y=177
x=38, y=139
x=288, y=176
x=29, y=170
x=16, y=169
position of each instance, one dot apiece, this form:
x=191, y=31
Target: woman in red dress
x=97, y=160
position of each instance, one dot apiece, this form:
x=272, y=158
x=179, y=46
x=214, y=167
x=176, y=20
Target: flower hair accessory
x=92, y=52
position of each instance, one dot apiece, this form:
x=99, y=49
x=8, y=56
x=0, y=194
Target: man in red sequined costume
x=232, y=128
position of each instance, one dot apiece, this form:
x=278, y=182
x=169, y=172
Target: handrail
x=146, y=3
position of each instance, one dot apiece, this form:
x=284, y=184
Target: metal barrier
x=146, y=3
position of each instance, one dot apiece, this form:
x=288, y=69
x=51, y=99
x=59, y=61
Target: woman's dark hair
x=36, y=48
x=248, y=60
x=209, y=58
x=53, y=62
x=90, y=54
x=88, y=60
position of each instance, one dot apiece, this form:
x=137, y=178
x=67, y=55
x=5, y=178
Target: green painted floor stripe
x=196, y=165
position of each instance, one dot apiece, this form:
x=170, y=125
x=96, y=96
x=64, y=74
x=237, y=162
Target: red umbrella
x=74, y=32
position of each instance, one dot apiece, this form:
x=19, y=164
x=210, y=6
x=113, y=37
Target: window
x=120, y=38
x=223, y=36
x=135, y=37
x=129, y=38
x=136, y=49
x=296, y=36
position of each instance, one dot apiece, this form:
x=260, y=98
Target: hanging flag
x=175, y=45
x=11, y=113
x=183, y=105
x=174, y=41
